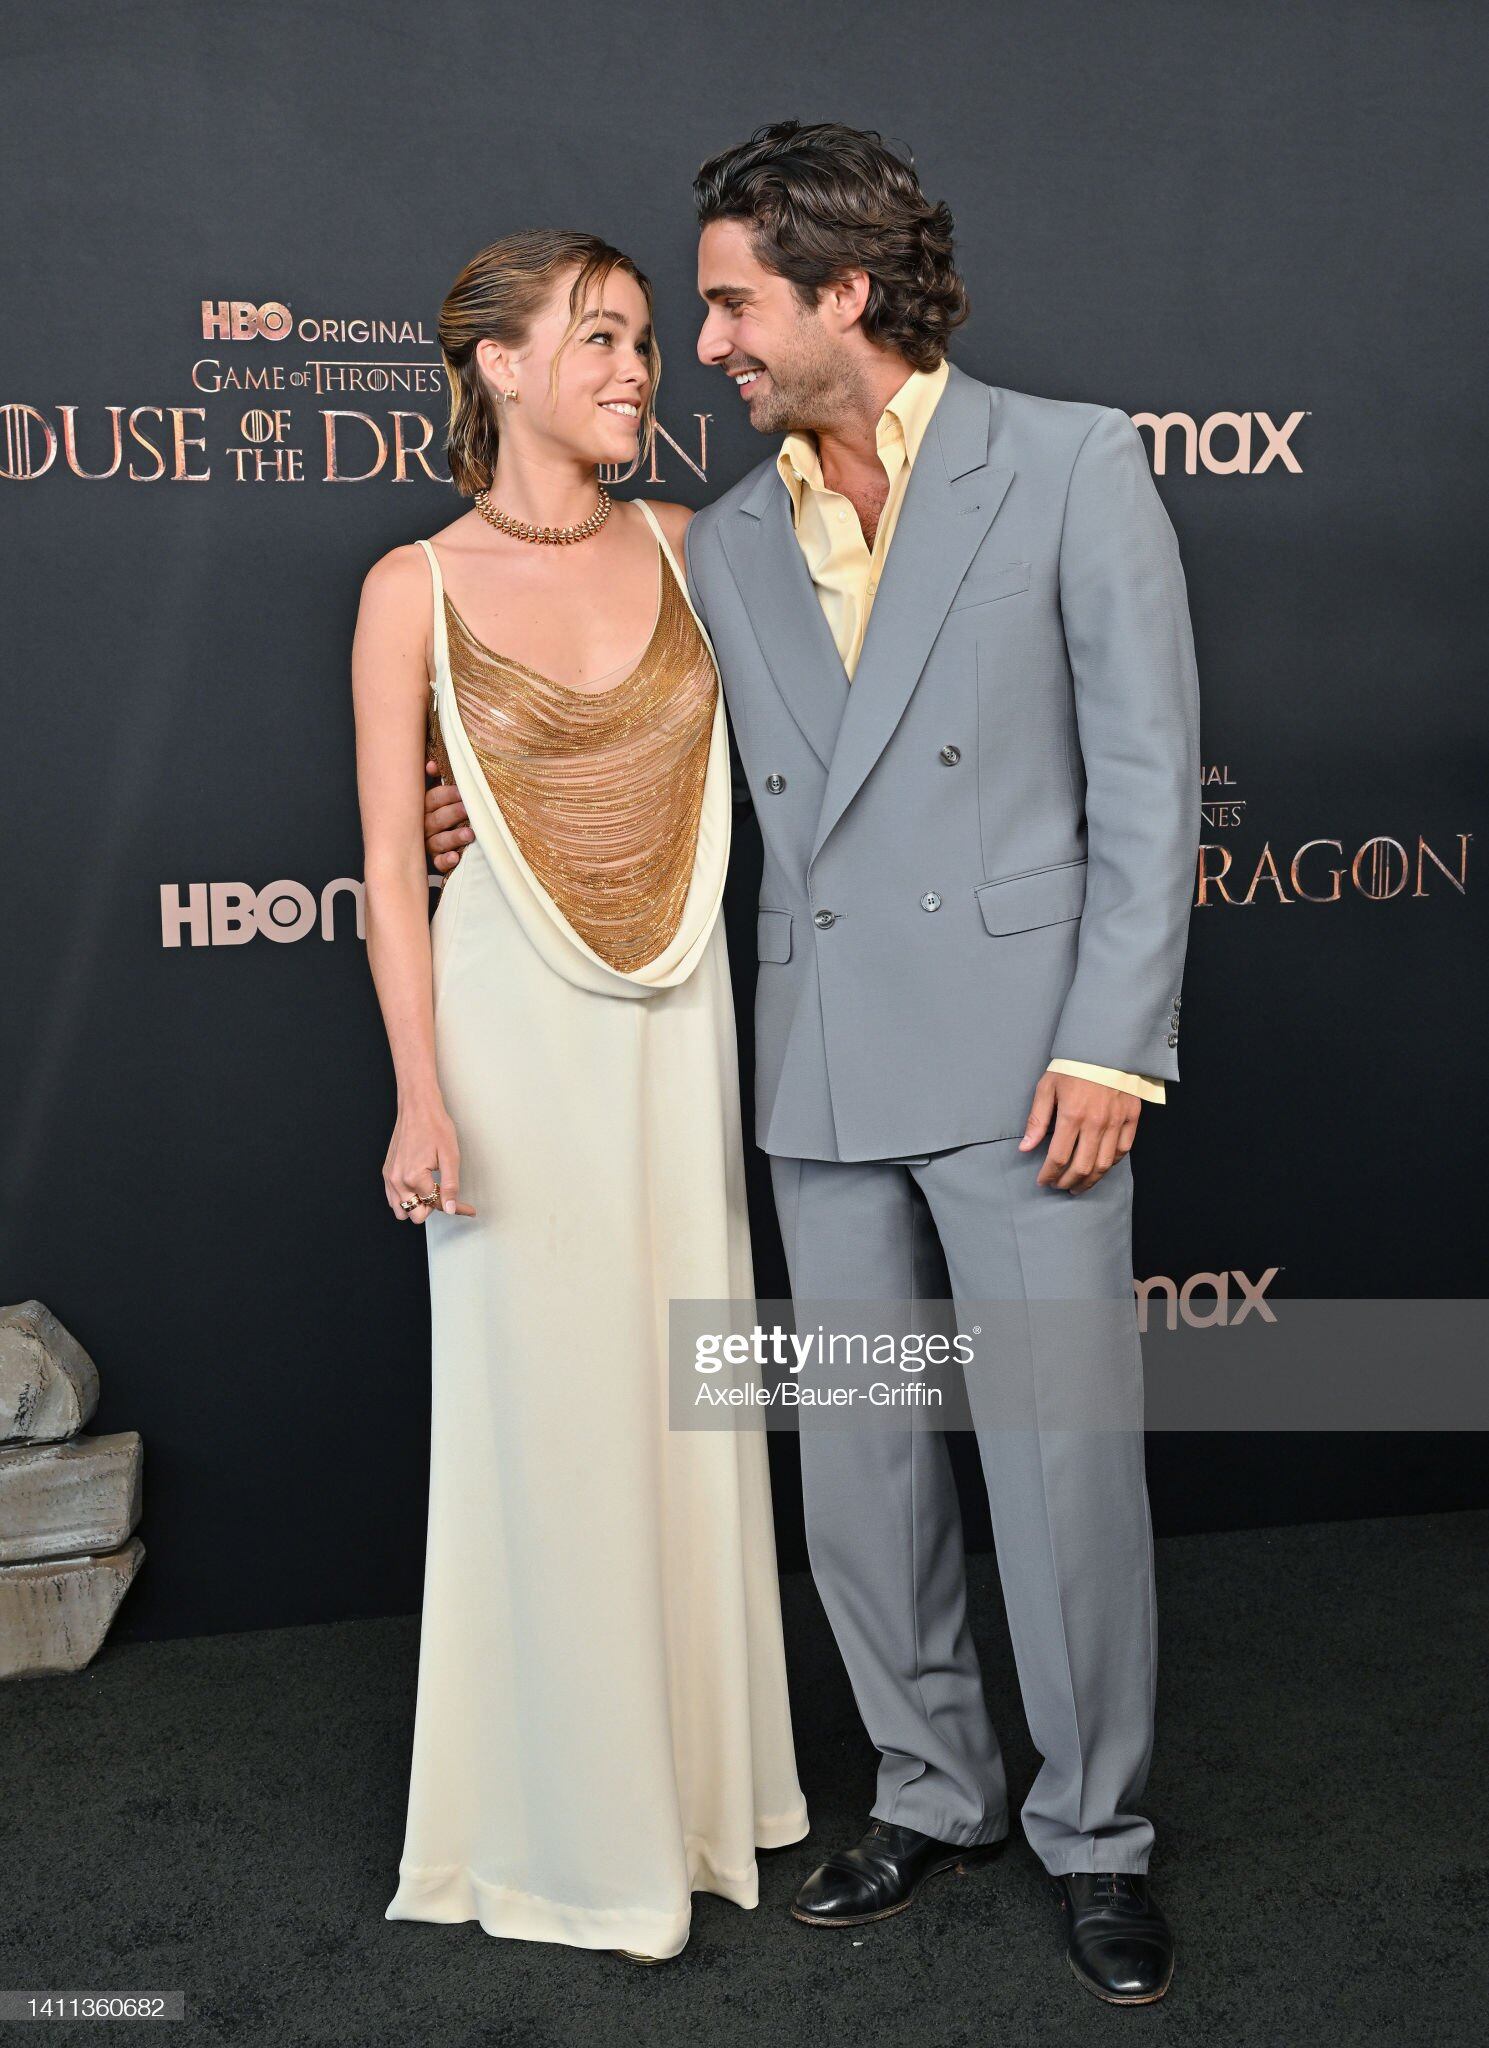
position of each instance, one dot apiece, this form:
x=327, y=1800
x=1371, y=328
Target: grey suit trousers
x=1069, y=1504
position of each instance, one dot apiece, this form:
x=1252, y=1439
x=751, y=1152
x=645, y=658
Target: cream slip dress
x=602, y=1723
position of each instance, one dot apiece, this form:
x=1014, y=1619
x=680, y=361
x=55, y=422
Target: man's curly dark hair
x=823, y=199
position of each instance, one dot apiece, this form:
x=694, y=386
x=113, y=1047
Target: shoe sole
x=964, y=1866
x=1119, y=1997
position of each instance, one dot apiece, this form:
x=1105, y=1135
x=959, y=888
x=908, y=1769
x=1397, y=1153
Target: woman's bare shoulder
x=396, y=584
x=673, y=520
x=404, y=570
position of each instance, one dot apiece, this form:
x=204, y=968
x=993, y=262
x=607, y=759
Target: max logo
x=1235, y=428
x=1215, y=1311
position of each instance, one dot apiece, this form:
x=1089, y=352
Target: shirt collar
x=904, y=420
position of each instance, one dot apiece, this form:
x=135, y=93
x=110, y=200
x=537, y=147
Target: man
x=952, y=627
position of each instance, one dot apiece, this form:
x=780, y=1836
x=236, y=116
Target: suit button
x=930, y=900
x=1176, y=1005
x=951, y=755
x=823, y=918
x=775, y=784
x=1173, y=1038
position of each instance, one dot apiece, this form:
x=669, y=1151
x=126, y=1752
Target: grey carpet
x=224, y=1814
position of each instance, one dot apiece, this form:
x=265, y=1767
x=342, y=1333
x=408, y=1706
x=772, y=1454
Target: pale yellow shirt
x=846, y=571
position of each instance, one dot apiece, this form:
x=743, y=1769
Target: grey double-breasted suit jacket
x=980, y=854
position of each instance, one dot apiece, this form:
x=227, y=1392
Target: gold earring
x=508, y=394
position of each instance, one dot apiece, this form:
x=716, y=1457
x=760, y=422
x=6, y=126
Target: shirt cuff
x=1112, y=1077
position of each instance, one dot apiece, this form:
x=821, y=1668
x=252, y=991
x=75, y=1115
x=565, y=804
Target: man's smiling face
x=788, y=368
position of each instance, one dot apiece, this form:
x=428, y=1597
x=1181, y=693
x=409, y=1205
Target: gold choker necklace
x=545, y=536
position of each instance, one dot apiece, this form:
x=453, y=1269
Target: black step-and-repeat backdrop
x=1258, y=230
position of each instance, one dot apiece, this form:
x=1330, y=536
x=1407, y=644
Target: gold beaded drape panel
x=602, y=790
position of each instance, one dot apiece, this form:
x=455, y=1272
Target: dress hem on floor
x=456, y=1893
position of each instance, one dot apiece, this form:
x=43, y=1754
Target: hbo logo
x=240, y=320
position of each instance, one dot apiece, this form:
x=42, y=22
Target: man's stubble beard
x=818, y=389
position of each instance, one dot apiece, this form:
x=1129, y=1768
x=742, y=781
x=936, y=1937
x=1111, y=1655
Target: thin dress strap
x=679, y=573
x=434, y=740
x=656, y=526
x=441, y=642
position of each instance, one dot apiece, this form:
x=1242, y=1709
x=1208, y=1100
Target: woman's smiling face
x=587, y=395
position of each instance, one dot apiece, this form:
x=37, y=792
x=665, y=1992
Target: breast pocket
x=982, y=586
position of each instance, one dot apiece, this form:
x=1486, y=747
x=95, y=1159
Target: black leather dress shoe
x=881, y=1875
x=1119, y=1944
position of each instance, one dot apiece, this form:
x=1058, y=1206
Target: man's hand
x=1094, y=1127
x=447, y=829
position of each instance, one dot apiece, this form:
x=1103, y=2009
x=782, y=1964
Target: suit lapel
x=785, y=611
x=950, y=502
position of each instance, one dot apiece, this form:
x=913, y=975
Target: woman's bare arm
x=390, y=693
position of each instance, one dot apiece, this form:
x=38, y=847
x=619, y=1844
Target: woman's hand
x=423, y=1142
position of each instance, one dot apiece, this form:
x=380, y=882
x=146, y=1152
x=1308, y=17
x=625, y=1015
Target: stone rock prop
x=48, y=1383
x=69, y=1502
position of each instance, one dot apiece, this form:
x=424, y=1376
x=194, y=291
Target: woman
x=602, y=1724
